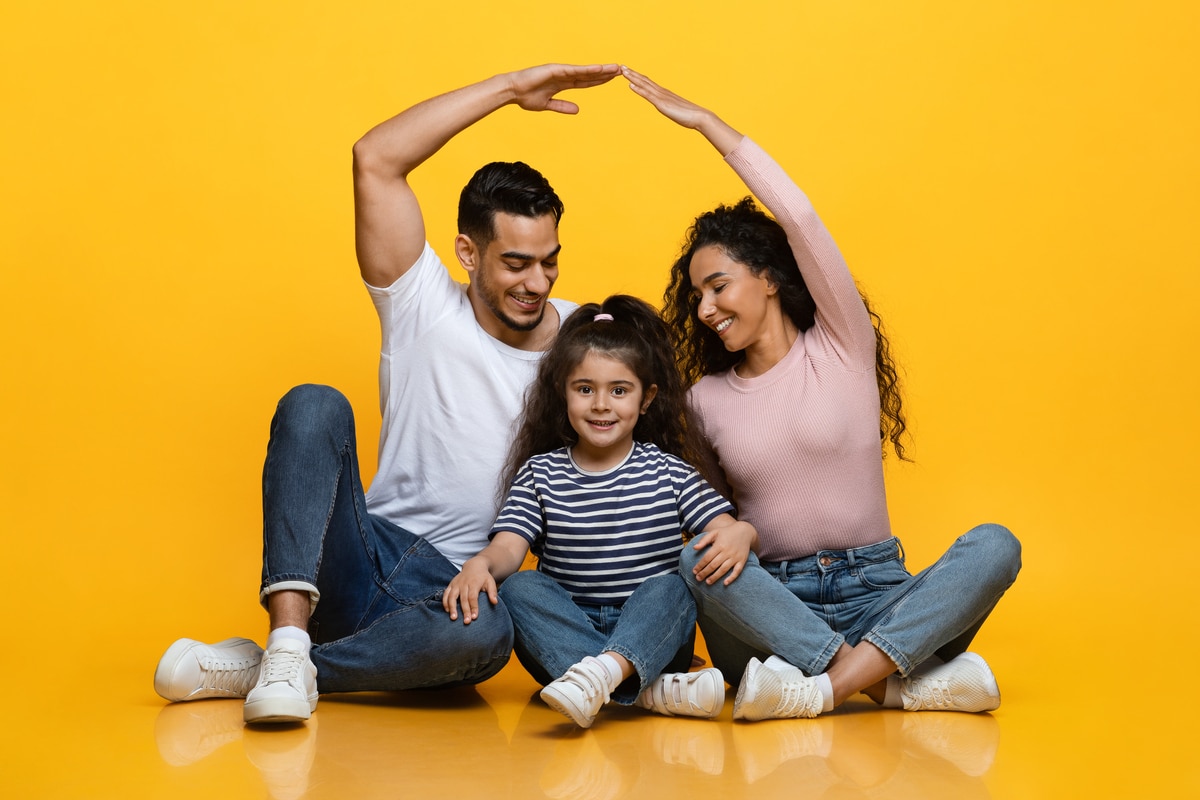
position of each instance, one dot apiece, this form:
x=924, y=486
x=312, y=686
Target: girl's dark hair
x=748, y=235
x=637, y=337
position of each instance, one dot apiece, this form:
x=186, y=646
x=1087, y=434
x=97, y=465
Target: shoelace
x=234, y=675
x=282, y=665
x=795, y=696
x=934, y=692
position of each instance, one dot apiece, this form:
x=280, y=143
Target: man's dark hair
x=509, y=187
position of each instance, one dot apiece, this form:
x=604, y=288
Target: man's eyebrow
x=519, y=256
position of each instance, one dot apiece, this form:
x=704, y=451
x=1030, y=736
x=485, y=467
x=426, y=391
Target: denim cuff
x=292, y=586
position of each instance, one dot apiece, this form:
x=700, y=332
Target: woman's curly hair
x=749, y=236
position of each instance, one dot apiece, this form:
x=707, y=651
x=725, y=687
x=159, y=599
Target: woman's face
x=739, y=305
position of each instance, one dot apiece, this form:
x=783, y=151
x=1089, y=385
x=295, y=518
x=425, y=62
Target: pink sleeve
x=841, y=315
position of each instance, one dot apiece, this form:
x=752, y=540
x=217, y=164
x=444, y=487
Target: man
x=363, y=574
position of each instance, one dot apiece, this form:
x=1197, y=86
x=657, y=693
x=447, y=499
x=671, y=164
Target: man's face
x=513, y=275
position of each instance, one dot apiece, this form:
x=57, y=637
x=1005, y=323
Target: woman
x=793, y=385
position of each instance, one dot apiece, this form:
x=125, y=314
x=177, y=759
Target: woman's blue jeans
x=378, y=622
x=803, y=610
x=655, y=629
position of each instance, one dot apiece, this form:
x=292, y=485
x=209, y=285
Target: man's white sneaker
x=287, y=686
x=192, y=670
x=580, y=692
x=964, y=683
x=685, y=694
x=776, y=690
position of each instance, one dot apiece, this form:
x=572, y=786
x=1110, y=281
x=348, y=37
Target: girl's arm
x=840, y=310
x=481, y=573
x=729, y=543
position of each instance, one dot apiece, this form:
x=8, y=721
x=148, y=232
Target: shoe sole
x=993, y=688
x=565, y=707
x=278, y=710
x=164, y=673
x=742, y=692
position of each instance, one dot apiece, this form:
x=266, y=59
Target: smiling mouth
x=722, y=325
x=531, y=303
x=599, y=423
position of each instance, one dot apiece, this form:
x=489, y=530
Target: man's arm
x=388, y=227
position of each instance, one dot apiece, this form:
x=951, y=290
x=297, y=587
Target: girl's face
x=740, y=306
x=604, y=400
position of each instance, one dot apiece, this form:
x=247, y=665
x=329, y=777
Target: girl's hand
x=465, y=589
x=728, y=550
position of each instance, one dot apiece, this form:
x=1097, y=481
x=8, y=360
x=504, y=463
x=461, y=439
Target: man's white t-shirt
x=450, y=395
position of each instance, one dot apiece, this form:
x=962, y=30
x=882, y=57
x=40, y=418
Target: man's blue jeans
x=378, y=622
x=803, y=610
x=655, y=629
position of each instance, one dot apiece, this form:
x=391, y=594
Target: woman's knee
x=1003, y=548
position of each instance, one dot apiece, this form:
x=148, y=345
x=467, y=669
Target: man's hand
x=534, y=89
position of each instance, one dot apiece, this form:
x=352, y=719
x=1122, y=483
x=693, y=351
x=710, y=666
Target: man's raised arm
x=388, y=227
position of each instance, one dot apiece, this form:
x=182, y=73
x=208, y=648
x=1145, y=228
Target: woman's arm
x=840, y=309
x=482, y=573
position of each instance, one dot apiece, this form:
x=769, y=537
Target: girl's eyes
x=619, y=391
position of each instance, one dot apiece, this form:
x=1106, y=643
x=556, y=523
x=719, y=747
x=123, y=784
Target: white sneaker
x=580, y=692
x=964, y=683
x=776, y=690
x=192, y=670
x=287, y=686
x=685, y=694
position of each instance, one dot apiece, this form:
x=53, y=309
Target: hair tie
x=602, y=318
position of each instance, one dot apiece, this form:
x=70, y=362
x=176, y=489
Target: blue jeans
x=655, y=629
x=803, y=610
x=378, y=622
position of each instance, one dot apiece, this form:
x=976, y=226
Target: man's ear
x=651, y=391
x=468, y=254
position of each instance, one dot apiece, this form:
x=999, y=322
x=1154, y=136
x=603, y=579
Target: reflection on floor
x=499, y=741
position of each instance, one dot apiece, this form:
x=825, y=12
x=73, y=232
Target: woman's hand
x=466, y=587
x=729, y=547
x=684, y=112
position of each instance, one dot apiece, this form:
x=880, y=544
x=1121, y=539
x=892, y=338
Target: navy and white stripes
x=601, y=535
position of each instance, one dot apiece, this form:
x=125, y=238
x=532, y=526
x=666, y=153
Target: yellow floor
x=108, y=735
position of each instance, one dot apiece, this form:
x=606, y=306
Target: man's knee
x=311, y=407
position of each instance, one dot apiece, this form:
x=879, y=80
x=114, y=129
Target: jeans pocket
x=883, y=575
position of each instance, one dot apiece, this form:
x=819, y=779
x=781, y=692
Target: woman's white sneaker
x=964, y=683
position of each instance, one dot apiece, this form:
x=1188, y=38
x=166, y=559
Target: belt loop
x=899, y=550
x=850, y=558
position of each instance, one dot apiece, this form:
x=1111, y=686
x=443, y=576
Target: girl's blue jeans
x=378, y=622
x=655, y=629
x=804, y=610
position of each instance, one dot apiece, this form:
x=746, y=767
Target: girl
x=793, y=385
x=600, y=488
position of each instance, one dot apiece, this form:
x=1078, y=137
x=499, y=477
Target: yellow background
x=1014, y=184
